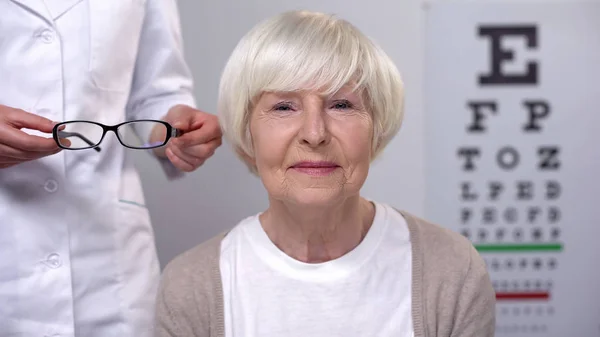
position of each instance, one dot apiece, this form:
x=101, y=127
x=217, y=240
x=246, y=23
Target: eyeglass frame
x=171, y=133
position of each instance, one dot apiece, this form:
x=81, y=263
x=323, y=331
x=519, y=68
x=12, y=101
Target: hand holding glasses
x=87, y=134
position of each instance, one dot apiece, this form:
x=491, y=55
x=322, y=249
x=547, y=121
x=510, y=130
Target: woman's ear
x=248, y=160
x=245, y=157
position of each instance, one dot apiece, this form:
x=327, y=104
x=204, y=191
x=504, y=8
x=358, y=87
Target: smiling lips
x=315, y=168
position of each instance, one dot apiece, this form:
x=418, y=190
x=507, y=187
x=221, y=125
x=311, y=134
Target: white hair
x=301, y=50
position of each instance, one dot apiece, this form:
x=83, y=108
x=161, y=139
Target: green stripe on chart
x=552, y=247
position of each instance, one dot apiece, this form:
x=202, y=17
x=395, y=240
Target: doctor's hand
x=202, y=136
x=17, y=146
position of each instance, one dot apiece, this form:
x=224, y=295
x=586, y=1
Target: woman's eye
x=342, y=105
x=283, y=107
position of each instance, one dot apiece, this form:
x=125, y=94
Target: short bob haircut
x=302, y=50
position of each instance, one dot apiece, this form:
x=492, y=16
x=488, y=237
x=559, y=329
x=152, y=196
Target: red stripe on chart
x=523, y=296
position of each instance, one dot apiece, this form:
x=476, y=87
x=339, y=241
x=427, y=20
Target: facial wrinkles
x=332, y=119
x=281, y=167
x=350, y=169
x=324, y=153
x=301, y=152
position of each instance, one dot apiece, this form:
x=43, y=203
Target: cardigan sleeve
x=475, y=313
x=171, y=308
x=165, y=323
x=189, y=301
x=183, y=302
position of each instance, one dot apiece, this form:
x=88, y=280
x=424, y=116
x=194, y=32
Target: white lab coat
x=77, y=253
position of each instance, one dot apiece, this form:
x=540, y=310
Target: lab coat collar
x=48, y=10
x=60, y=7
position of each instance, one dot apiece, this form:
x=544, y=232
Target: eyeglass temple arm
x=64, y=134
x=176, y=132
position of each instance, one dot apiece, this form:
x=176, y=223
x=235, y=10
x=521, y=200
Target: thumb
x=183, y=123
x=183, y=117
x=22, y=119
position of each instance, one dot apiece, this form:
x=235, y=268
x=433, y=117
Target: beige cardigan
x=452, y=295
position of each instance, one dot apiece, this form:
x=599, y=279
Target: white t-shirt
x=365, y=293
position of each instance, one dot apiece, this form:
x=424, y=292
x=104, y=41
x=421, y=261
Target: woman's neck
x=318, y=234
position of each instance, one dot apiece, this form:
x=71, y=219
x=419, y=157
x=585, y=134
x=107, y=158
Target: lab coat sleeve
x=161, y=77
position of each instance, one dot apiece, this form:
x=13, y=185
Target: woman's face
x=310, y=149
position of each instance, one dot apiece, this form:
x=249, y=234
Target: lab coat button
x=51, y=186
x=53, y=261
x=47, y=36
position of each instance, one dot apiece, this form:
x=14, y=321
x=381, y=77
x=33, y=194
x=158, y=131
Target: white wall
x=222, y=192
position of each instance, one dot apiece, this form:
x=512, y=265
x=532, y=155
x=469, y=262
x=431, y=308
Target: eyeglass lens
x=84, y=135
x=129, y=137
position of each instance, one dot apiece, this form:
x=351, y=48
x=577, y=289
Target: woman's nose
x=314, y=130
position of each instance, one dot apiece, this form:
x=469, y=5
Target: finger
x=206, y=133
x=10, y=161
x=9, y=154
x=65, y=142
x=190, y=159
x=182, y=116
x=23, y=141
x=22, y=119
x=7, y=165
x=203, y=151
x=178, y=162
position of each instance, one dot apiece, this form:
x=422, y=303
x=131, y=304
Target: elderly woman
x=308, y=102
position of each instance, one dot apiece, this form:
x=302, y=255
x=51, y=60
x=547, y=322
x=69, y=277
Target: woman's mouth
x=315, y=168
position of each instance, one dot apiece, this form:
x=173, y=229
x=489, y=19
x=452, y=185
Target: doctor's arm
x=162, y=89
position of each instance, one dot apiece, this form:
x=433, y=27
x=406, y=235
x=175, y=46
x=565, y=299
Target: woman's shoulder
x=438, y=243
x=443, y=257
x=195, y=260
x=452, y=280
x=200, y=261
x=189, y=289
x=192, y=269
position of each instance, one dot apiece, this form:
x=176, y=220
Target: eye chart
x=512, y=134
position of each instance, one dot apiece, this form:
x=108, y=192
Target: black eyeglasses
x=87, y=134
